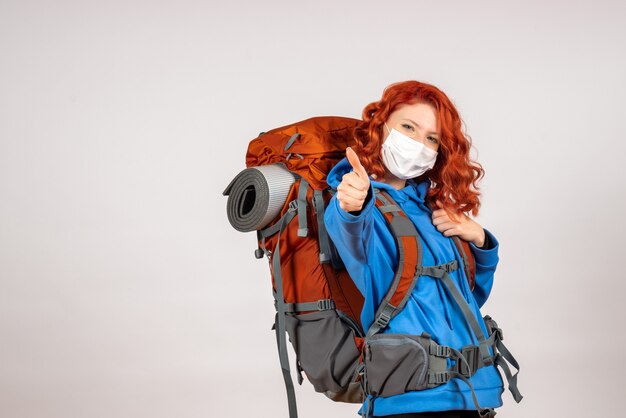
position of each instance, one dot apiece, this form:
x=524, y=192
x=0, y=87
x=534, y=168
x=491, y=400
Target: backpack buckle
x=493, y=327
x=325, y=304
x=383, y=319
x=468, y=367
x=451, y=266
x=440, y=351
x=438, y=378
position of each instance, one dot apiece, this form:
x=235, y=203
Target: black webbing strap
x=441, y=272
x=279, y=323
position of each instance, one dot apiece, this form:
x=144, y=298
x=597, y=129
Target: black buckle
x=468, y=367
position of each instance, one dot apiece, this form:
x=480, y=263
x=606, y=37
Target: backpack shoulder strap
x=409, y=261
x=467, y=256
x=469, y=263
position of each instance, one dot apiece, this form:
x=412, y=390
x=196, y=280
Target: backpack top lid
x=309, y=148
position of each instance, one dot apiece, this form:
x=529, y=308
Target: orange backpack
x=317, y=302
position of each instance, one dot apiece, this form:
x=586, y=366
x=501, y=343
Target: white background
x=124, y=292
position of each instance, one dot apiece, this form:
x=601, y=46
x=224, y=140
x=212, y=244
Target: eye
x=433, y=139
x=408, y=127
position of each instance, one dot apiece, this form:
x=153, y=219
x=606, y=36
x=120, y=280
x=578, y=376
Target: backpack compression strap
x=409, y=261
x=281, y=308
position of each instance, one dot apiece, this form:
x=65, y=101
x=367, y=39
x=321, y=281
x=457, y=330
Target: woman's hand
x=465, y=227
x=352, y=190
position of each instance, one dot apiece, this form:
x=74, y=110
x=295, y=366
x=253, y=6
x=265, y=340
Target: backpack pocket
x=325, y=348
x=396, y=363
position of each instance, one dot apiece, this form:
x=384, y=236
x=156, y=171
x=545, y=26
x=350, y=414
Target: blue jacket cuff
x=489, y=256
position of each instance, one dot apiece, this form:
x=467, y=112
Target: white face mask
x=405, y=157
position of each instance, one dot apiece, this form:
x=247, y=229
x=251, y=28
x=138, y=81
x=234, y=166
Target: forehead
x=420, y=113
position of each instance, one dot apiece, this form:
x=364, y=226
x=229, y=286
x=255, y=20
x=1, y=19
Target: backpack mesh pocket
x=396, y=363
x=325, y=347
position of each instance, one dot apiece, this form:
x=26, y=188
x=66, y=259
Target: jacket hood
x=413, y=190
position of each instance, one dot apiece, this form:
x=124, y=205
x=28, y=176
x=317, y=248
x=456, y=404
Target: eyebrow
x=418, y=125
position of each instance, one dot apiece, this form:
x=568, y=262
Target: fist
x=352, y=190
x=463, y=226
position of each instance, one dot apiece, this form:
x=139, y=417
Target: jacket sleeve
x=486, y=262
x=349, y=232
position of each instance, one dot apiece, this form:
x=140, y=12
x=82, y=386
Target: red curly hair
x=454, y=177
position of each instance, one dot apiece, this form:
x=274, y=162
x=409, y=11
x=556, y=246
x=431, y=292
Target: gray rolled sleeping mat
x=256, y=196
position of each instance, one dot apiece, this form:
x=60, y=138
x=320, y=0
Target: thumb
x=354, y=161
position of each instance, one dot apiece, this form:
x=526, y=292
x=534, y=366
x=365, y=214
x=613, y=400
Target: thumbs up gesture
x=352, y=190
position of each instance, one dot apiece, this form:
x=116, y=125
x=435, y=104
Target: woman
x=415, y=150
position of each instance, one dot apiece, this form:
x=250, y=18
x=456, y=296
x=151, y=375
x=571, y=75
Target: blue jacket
x=369, y=253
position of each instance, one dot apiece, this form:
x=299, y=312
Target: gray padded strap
x=322, y=235
x=281, y=340
x=399, y=226
x=303, y=229
x=389, y=208
x=383, y=197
